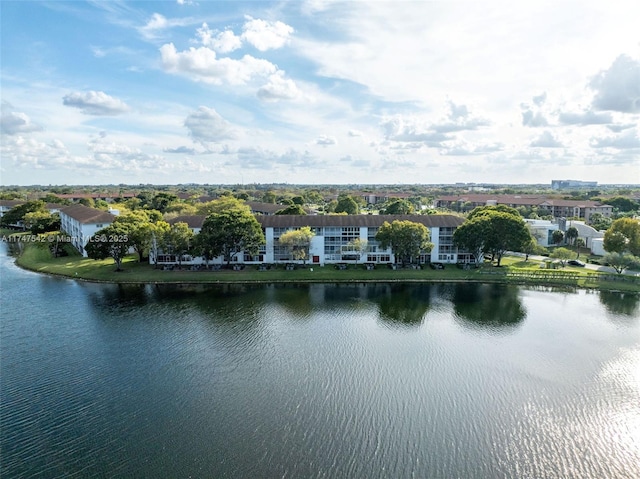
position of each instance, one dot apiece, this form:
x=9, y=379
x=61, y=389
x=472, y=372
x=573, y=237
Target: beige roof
x=319, y=221
x=86, y=215
x=372, y=221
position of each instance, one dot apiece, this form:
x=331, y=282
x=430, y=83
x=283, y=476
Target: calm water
x=388, y=381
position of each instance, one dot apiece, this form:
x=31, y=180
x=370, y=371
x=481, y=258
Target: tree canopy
x=623, y=235
x=407, y=239
x=621, y=261
x=110, y=242
x=398, y=206
x=18, y=212
x=178, y=239
x=292, y=210
x=229, y=232
x=298, y=242
x=346, y=204
x=492, y=230
x=562, y=254
x=143, y=226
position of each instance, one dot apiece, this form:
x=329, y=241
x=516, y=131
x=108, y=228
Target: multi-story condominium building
x=557, y=208
x=333, y=239
x=80, y=223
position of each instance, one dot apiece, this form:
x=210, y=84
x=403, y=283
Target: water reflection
x=403, y=304
x=493, y=306
x=618, y=302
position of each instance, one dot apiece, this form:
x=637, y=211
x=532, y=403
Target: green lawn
x=36, y=257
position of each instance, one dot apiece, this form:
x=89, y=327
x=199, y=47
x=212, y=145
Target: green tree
x=532, y=247
x=398, y=207
x=232, y=231
x=571, y=234
x=269, y=197
x=41, y=221
x=471, y=236
x=178, y=239
x=497, y=229
x=623, y=235
x=88, y=202
x=481, y=210
x=298, y=242
x=621, y=261
x=599, y=221
x=110, y=242
x=16, y=214
x=221, y=204
x=359, y=247
x=620, y=203
x=142, y=230
x=159, y=231
x=161, y=201
x=292, y=210
x=557, y=236
x=313, y=197
x=562, y=254
x=405, y=238
x=579, y=244
x=346, y=204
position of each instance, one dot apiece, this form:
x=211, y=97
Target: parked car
x=575, y=262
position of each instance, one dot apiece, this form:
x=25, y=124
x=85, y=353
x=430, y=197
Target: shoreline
x=579, y=283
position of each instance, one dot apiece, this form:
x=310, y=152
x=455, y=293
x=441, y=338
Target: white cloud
x=222, y=42
x=588, y=117
x=185, y=150
x=205, y=125
x=533, y=118
x=201, y=64
x=324, y=140
x=15, y=122
x=278, y=88
x=412, y=129
x=546, y=140
x=95, y=103
x=463, y=148
x=459, y=119
x=627, y=140
x=618, y=87
x=265, y=35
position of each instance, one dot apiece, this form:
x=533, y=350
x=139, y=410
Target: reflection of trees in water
x=403, y=304
x=488, y=305
x=294, y=298
x=623, y=303
x=229, y=302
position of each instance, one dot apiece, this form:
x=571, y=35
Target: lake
x=316, y=381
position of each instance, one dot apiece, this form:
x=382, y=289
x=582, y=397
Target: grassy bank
x=36, y=257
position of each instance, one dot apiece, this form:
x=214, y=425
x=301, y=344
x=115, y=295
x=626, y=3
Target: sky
x=319, y=92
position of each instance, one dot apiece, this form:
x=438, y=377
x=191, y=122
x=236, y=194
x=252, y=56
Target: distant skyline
x=319, y=92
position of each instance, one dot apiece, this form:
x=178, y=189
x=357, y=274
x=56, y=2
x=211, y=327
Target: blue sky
x=319, y=92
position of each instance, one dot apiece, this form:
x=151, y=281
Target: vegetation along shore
x=36, y=256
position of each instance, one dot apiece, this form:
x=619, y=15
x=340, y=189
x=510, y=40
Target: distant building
x=565, y=184
x=558, y=208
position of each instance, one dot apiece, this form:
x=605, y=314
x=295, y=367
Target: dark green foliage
x=292, y=210
x=110, y=242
